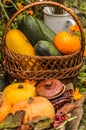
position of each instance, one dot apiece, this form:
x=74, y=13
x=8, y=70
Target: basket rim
x=42, y=57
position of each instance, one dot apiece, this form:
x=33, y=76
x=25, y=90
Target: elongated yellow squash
x=17, y=42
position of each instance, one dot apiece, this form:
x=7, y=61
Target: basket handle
x=46, y=3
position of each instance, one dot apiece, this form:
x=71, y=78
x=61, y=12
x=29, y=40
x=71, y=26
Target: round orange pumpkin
x=67, y=43
x=35, y=106
x=5, y=107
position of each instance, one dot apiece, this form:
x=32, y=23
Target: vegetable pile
x=23, y=100
x=33, y=37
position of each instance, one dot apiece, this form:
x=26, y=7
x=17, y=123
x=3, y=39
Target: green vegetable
x=31, y=29
x=45, y=48
x=48, y=33
x=35, y=29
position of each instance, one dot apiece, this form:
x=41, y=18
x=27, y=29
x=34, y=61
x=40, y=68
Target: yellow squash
x=17, y=42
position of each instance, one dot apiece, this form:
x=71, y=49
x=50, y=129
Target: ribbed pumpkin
x=67, y=43
x=5, y=107
x=35, y=106
x=19, y=91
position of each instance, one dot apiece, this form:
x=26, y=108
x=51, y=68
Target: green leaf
x=12, y=121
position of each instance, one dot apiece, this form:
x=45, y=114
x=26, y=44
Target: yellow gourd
x=17, y=42
x=16, y=92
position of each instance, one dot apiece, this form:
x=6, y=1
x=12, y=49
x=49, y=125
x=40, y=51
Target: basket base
x=64, y=81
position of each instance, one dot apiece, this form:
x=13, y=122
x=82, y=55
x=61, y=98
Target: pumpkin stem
x=72, y=33
x=1, y=98
x=30, y=100
x=20, y=86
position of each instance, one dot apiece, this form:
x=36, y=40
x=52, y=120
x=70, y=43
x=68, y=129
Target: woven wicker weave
x=65, y=68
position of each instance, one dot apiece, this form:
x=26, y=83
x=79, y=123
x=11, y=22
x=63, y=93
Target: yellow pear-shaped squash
x=19, y=91
x=17, y=42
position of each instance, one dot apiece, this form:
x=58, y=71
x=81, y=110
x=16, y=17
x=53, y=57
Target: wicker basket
x=65, y=68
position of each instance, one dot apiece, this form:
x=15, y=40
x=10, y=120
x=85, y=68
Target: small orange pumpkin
x=5, y=107
x=35, y=106
x=67, y=43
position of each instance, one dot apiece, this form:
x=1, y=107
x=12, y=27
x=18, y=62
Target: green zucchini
x=48, y=33
x=31, y=29
x=35, y=30
x=45, y=48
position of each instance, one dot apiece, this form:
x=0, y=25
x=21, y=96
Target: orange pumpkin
x=67, y=43
x=35, y=106
x=5, y=107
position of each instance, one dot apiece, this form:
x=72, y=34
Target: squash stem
x=30, y=100
x=20, y=86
